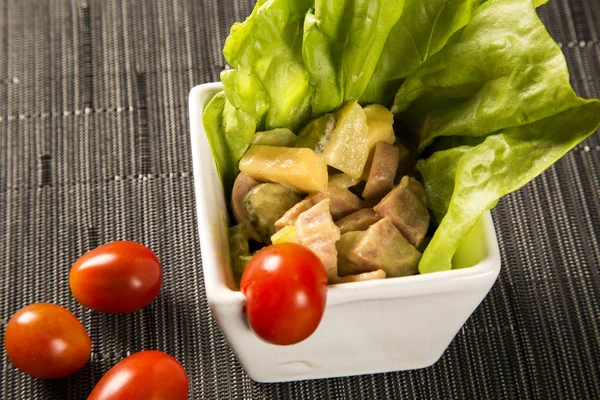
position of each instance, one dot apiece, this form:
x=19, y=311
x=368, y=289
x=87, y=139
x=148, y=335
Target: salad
x=377, y=132
x=342, y=190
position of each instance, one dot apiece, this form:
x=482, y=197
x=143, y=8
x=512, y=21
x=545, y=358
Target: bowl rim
x=209, y=195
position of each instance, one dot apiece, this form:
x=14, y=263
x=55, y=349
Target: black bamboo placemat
x=94, y=147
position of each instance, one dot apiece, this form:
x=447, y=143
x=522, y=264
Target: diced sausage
x=382, y=171
x=290, y=217
x=382, y=246
x=358, y=221
x=365, y=276
x=406, y=207
x=343, y=202
x=315, y=229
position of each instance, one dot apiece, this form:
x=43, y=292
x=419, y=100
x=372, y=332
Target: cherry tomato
x=285, y=286
x=145, y=375
x=46, y=341
x=117, y=277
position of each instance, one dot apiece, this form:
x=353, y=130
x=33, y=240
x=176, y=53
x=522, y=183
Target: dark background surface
x=94, y=147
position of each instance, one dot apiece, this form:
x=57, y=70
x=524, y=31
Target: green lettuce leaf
x=342, y=44
x=212, y=119
x=423, y=29
x=463, y=182
x=503, y=69
x=268, y=87
x=229, y=130
x=266, y=50
x=500, y=96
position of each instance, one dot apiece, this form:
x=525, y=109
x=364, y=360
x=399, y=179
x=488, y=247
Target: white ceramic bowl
x=368, y=327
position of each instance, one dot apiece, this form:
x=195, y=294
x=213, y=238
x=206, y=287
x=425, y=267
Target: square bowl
x=368, y=327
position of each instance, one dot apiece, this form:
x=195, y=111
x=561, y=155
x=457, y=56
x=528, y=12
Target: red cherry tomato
x=285, y=286
x=118, y=277
x=46, y=341
x=145, y=375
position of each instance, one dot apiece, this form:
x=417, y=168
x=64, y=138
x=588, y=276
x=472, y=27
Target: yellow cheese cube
x=297, y=168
